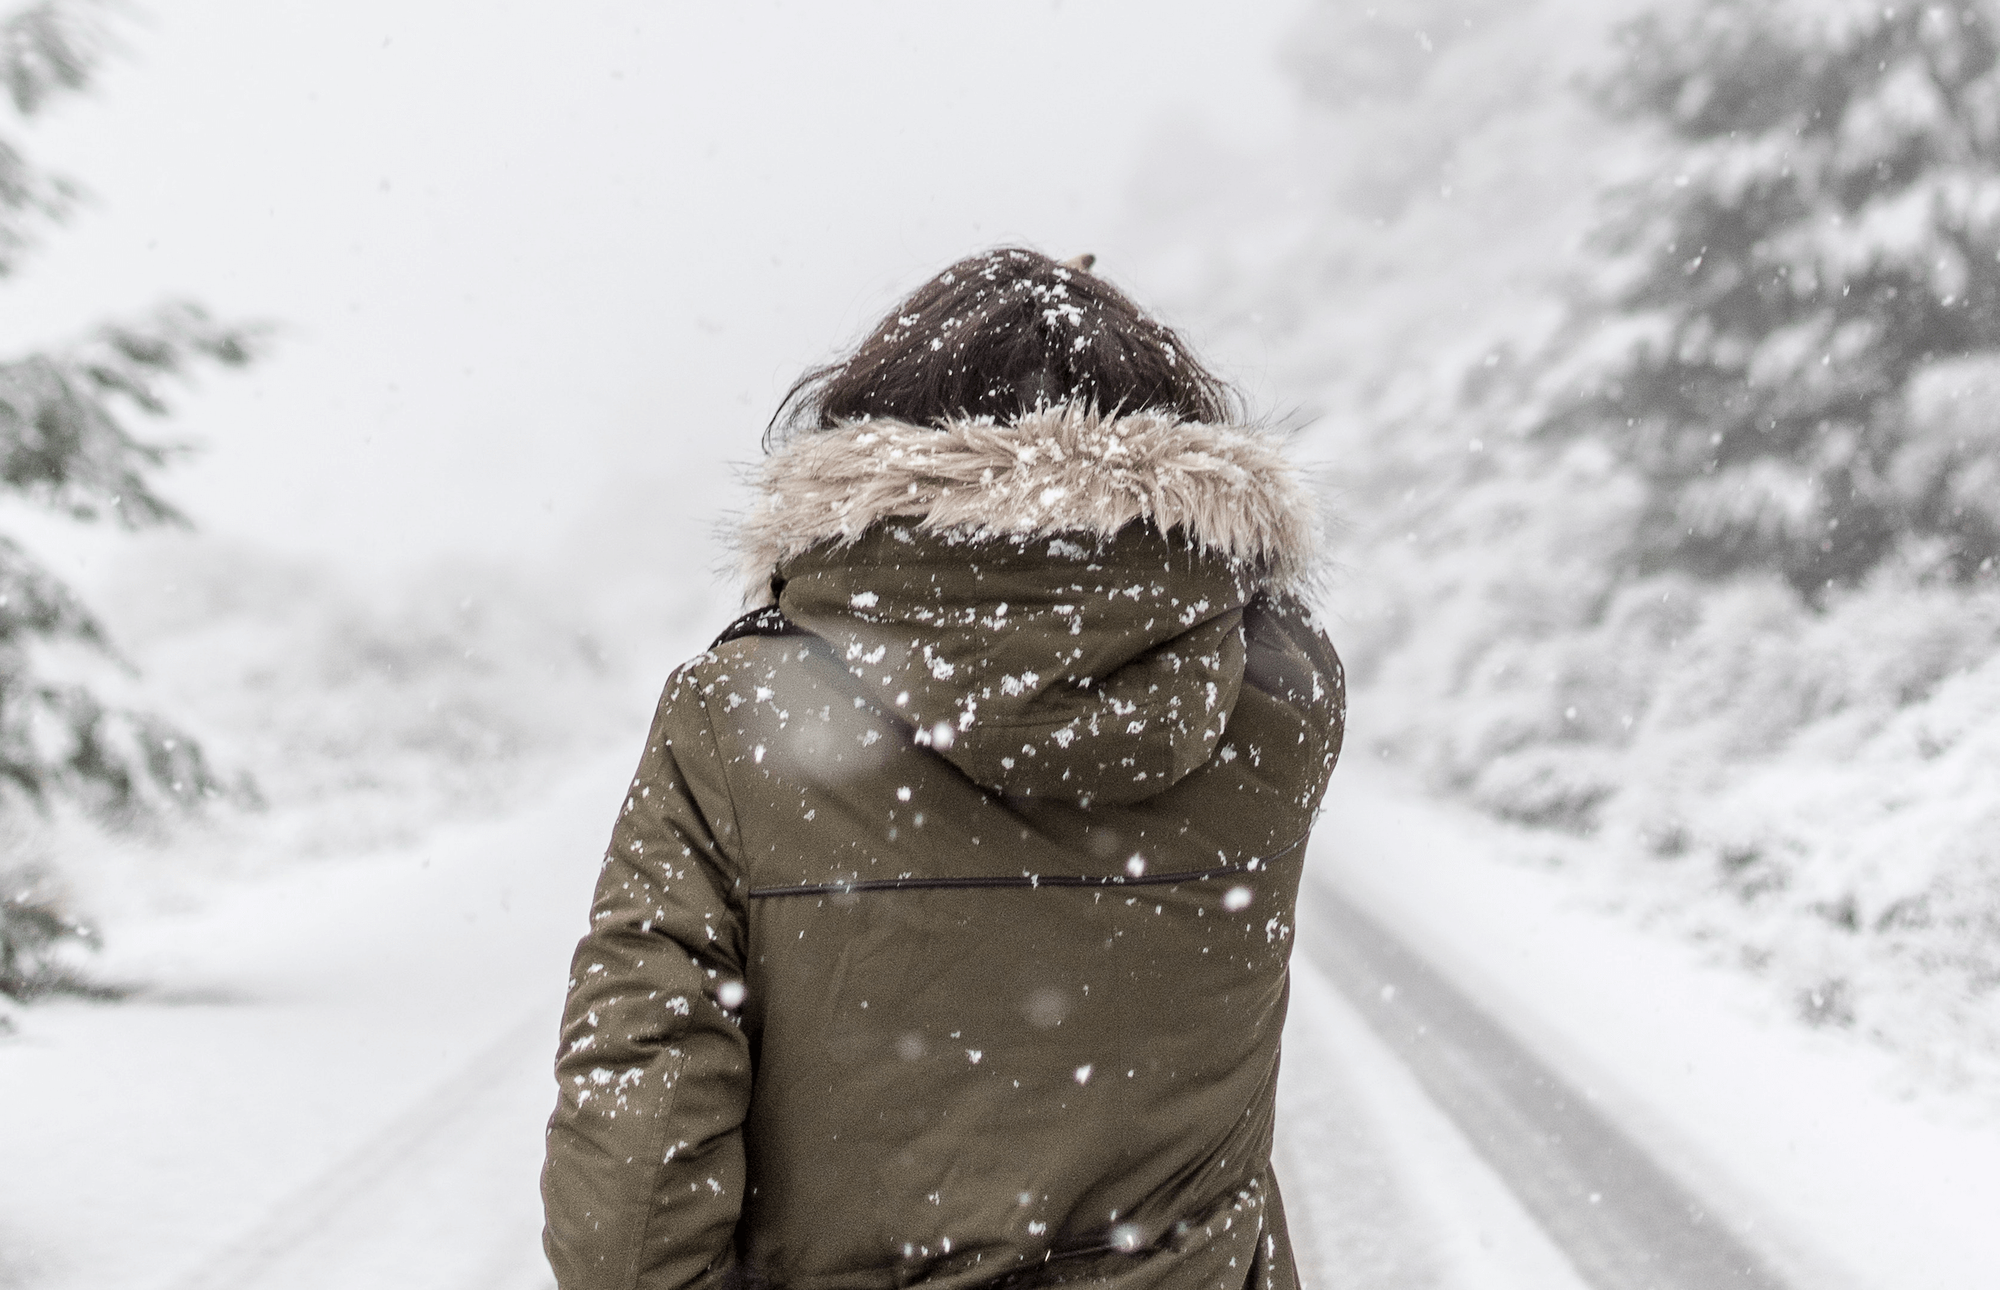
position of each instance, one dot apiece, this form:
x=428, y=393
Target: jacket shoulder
x=761, y=635
x=708, y=699
x=768, y=621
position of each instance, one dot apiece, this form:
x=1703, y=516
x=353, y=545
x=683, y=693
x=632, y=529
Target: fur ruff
x=1228, y=488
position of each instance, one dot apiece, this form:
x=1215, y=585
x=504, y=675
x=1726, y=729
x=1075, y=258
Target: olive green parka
x=943, y=936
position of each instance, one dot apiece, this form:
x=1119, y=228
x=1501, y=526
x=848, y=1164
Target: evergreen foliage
x=34, y=930
x=1806, y=290
x=65, y=445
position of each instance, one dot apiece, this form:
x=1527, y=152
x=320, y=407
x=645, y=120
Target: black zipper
x=1034, y=880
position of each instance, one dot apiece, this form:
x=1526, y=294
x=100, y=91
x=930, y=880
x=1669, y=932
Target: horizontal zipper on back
x=1035, y=880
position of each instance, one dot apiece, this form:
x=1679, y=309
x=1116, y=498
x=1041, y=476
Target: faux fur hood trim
x=1230, y=489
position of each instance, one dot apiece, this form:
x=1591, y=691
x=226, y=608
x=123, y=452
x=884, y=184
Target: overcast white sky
x=538, y=261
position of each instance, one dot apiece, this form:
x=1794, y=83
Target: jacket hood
x=1054, y=605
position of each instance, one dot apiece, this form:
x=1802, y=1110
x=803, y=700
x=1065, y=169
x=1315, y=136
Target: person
x=943, y=935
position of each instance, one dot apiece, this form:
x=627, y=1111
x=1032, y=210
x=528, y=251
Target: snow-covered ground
x=1844, y=1160
x=334, y=1069
x=1382, y=1191
x=339, y=1071
x=339, y=1076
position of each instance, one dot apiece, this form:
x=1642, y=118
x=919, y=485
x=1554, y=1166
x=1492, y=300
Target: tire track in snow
x=1623, y=1221
x=1382, y=1191
x=327, y=1211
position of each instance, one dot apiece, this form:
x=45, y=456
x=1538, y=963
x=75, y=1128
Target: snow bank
x=1836, y=1160
x=1813, y=791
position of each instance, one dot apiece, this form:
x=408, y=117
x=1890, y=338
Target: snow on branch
x=61, y=440
x=49, y=48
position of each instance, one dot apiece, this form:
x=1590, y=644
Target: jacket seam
x=1028, y=881
x=1159, y=708
x=680, y=1062
x=663, y=1123
x=729, y=795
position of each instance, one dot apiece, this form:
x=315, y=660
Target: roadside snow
x=342, y=1066
x=1843, y=1162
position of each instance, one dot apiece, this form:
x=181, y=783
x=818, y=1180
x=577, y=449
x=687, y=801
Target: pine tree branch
x=61, y=439
x=131, y=358
x=47, y=49
x=1820, y=230
x=64, y=444
x=122, y=766
x=37, y=605
x=28, y=196
x=34, y=928
x=50, y=48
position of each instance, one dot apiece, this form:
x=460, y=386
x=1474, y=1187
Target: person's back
x=943, y=938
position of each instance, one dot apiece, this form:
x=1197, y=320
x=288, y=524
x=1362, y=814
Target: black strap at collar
x=768, y=621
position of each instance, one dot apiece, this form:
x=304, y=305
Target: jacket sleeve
x=644, y=1176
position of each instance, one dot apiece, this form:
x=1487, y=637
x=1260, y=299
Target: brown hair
x=1002, y=333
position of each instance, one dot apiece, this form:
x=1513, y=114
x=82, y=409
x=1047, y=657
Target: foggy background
x=1642, y=350
x=546, y=263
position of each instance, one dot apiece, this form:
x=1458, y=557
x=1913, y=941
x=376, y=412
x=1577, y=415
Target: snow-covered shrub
x=368, y=707
x=365, y=714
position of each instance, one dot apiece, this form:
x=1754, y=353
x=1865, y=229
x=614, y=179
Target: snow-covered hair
x=1000, y=334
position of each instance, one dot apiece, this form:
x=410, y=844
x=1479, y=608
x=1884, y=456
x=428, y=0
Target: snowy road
x=435, y=1198
x=1385, y=1194
x=345, y=1086
x=1623, y=1220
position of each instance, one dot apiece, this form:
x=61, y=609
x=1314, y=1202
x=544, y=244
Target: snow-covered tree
x=65, y=445
x=1807, y=290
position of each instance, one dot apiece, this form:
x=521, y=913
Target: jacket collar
x=1229, y=489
